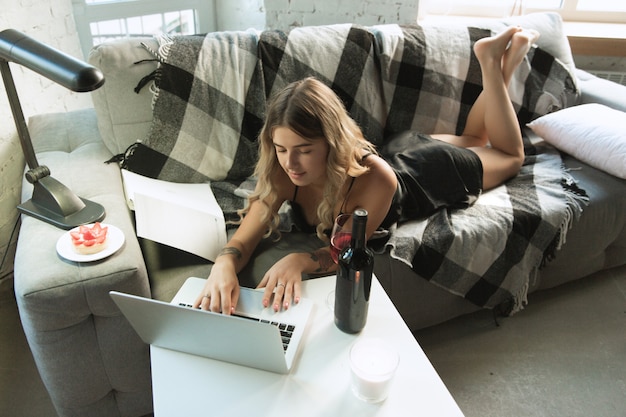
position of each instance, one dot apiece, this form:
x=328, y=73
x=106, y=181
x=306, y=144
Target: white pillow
x=593, y=133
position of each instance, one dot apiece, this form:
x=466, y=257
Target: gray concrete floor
x=22, y=393
x=563, y=355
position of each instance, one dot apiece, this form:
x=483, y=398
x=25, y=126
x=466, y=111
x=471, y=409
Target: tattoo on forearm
x=229, y=250
x=323, y=258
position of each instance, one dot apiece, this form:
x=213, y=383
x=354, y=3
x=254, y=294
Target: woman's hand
x=284, y=278
x=283, y=281
x=221, y=290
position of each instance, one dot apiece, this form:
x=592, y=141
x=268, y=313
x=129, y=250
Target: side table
x=319, y=383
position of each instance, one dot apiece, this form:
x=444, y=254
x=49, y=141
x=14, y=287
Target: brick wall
x=50, y=21
x=240, y=14
x=284, y=14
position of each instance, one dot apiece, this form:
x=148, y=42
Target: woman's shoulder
x=378, y=168
x=374, y=189
x=379, y=179
x=283, y=186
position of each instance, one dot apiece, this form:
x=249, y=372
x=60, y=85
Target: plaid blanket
x=208, y=109
x=341, y=56
x=430, y=76
x=391, y=78
x=488, y=252
x=431, y=79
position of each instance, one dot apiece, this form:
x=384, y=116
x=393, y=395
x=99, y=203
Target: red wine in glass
x=339, y=241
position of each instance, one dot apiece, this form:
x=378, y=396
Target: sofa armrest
x=89, y=357
x=598, y=90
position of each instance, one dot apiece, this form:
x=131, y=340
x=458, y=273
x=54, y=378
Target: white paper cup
x=373, y=363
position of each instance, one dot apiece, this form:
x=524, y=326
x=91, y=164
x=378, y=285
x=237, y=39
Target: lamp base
x=92, y=212
x=56, y=204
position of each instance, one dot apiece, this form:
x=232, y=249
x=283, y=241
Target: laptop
x=253, y=336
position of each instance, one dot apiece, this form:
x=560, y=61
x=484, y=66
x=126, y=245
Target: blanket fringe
x=161, y=54
x=577, y=198
x=520, y=300
x=121, y=158
x=144, y=81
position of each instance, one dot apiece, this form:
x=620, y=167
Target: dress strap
x=364, y=157
x=345, y=200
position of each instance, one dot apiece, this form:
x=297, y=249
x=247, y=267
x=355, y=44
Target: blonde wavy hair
x=313, y=111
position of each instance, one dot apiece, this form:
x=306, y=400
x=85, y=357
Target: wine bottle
x=354, y=278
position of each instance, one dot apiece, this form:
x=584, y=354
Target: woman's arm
x=374, y=192
x=221, y=290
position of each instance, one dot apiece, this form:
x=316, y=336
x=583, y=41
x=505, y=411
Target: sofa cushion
x=593, y=133
x=124, y=116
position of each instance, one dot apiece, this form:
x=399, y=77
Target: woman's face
x=303, y=160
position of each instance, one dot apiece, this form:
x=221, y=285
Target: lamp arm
x=18, y=116
x=52, y=201
x=51, y=63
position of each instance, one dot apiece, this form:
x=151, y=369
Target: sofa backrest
x=392, y=78
x=124, y=116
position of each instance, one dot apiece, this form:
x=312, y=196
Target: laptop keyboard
x=286, y=330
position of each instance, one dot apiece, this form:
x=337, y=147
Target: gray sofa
x=89, y=358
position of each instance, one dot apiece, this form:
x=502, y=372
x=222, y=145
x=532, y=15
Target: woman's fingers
x=216, y=300
x=279, y=295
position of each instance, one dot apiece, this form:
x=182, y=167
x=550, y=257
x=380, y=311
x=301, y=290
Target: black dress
x=432, y=174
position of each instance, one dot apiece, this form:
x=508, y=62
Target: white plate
x=115, y=238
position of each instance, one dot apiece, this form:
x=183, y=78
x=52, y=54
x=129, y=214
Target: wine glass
x=340, y=235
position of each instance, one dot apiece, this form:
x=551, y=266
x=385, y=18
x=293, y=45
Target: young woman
x=311, y=151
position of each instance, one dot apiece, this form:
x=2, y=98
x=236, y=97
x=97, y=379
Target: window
x=100, y=20
x=607, y=11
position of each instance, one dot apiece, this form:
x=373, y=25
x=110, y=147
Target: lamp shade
x=49, y=62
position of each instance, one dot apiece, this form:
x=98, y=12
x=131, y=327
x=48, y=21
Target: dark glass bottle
x=354, y=278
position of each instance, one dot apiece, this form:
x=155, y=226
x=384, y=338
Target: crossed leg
x=492, y=118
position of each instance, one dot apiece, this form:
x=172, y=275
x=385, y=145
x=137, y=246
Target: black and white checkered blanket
x=341, y=56
x=392, y=78
x=205, y=122
x=489, y=252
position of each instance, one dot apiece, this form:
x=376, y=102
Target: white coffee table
x=319, y=383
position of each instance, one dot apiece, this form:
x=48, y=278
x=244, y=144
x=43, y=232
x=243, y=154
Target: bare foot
x=519, y=47
x=492, y=49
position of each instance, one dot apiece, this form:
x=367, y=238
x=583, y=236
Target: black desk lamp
x=52, y=201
